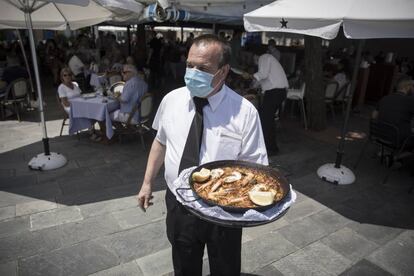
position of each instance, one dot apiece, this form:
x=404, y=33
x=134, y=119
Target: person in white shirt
x=76, y=65
x=67, y=89
x=273, y=81
x=232, y=130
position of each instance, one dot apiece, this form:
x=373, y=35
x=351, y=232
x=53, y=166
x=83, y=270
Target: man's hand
x=145, y=196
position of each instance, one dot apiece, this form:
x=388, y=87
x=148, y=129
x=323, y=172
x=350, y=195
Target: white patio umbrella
x=48, y=14
x=360, y=19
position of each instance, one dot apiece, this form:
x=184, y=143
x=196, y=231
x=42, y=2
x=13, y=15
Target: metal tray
x=272, y=172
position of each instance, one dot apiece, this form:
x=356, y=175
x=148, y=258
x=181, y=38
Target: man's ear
x=226, y=69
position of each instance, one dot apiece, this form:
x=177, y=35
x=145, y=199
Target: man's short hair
x=131, y=68
x=403, y=82
x=208, y=39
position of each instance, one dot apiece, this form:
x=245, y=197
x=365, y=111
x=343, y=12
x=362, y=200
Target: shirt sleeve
x=264, y=68
x=253, y=147
x=62, y=92
x=158, y=124
x=127, y=91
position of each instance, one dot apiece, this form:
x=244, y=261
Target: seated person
x=135, y=87
x=398, y=109
x=340, y=76
x=12, y=72
x=67, y=89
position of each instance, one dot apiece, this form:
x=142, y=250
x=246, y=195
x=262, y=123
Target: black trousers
x=272, y=101
x=188, y=235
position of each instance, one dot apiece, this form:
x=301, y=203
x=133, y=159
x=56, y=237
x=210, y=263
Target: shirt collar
x=215, y=100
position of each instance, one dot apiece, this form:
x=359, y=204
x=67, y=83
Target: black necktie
x=191, y=153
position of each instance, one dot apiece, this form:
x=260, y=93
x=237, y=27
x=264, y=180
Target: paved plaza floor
x=83, y=219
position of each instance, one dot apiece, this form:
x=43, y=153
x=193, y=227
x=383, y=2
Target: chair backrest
x=117, y=87
x=302, y=90
x=114, y=79
x=18, y=89
x=146, y=106
x=330, y=89
x=65, y=115
x=344, y=92
x=384, y=133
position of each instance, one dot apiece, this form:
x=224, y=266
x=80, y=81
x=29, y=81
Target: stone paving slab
x=261, y=252
x=108, y=206
x=350, y=244
x=365, y=268
x=80, y=259
x=28, y=244
x=55, y=217
x=88, y=184
x=303, y=209
x=88, y=229
x=396, y=256
x=7, y=212
x=303, y=232
x=14, y=226
x=159, y=263
x=314, y=259
x=8, y=269
x=137, y=242
x=35, y=206
x=133, y=217
x=126, y=269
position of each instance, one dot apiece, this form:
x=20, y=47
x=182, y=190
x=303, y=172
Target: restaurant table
x=84, y=111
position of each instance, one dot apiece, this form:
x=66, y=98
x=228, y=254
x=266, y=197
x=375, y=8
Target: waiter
x=273, y=82
x=230, y=129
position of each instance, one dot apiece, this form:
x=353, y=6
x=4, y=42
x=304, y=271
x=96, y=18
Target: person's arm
x=65, y=101
x=263, y=68
x=155, y=161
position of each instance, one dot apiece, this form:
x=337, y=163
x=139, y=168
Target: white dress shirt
x=270, y=73
x=232, y=129
x=75, y=65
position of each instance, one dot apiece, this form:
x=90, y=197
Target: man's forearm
x=155, y=161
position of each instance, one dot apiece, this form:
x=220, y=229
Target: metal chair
x=298, y=95
x=331, y=90
x=16, y=95
x=144, y=108
x=65, y=117
x=387, y=136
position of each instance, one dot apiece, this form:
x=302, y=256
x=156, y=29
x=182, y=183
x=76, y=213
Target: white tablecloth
x=84, y=111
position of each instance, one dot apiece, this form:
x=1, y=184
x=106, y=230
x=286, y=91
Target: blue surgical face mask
x=198, y=82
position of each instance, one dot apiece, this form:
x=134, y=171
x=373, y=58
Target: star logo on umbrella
x=284, y=23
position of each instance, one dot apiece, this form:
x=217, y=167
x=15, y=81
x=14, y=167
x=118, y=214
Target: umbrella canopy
x=58, y=15
x=212, y=11
x=360, y=19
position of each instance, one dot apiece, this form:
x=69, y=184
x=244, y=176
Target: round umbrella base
x=339, y=176
x=44, y=162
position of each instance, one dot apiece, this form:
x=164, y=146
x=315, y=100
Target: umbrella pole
x=39, y=88
x=46, y=160
x=335, y=172
x=341, y=145
x=26, y=62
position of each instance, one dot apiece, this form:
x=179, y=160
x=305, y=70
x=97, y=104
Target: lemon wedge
x=202, y=175
x=261, y=198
